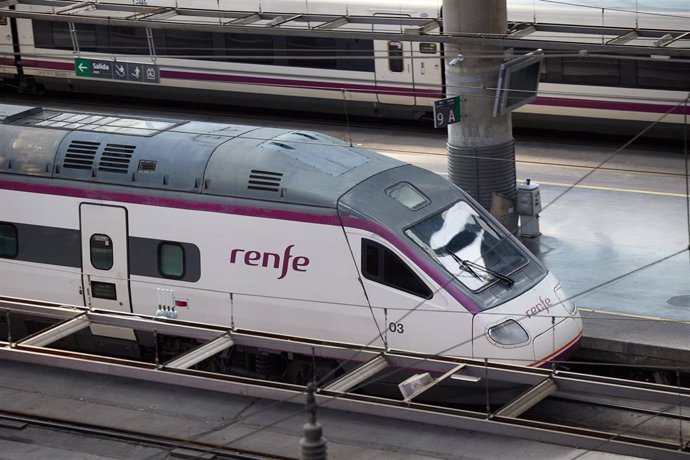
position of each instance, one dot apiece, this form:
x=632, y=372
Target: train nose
x=558, y=342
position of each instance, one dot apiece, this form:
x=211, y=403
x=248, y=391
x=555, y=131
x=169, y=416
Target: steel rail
x=169, y=442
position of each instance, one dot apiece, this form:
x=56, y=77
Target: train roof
x=289, y=166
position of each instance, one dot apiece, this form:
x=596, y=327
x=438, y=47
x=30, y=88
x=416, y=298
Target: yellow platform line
x=614, y=189
x=634, y=316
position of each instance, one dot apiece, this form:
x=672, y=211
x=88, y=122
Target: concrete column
x=481, y=148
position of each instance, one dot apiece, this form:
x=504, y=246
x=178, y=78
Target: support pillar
x=481, y=148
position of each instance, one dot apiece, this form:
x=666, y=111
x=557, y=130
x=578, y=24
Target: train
x=289, y=232
x=175, y=59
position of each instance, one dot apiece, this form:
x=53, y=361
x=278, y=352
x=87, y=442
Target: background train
x=360, y=76
x=290, y=232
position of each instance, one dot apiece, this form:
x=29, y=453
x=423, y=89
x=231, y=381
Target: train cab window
x=101, y=247
x=171, y=260
x=381, y=265
x=395, y=56
x=8, y=241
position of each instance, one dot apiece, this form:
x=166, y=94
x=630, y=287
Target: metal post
x=9, y=328
x=313, y=444
x=481, y=149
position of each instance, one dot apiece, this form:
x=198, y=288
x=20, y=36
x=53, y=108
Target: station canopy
x=425, y=28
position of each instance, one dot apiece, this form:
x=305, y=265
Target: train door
x=416, y=313
x=105, y=274
x=394, y=72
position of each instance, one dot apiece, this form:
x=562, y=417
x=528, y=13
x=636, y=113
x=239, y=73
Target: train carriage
x=290, y=232
x=385, y=78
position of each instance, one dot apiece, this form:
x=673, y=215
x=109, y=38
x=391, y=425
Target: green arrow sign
x=82, y=67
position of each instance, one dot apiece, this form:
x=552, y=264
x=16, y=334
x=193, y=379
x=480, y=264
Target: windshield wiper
x=470, y=267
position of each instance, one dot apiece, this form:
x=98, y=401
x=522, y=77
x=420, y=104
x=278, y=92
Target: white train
x=371, y=77
x=290, y=232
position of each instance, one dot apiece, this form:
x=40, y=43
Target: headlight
x=508, y=333
x=568, y=304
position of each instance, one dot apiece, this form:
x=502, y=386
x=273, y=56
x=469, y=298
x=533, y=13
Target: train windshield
x=468, y=246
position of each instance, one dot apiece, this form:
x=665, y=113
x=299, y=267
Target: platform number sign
x=447, y=112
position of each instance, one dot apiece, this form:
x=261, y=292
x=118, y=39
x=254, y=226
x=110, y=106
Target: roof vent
x=264, y=180
x=116, y=157
x=80, y=154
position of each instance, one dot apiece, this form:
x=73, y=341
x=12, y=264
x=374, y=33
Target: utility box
x=529, y=207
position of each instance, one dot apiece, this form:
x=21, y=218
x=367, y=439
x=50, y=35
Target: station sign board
x=117, y=70
x=447, y=112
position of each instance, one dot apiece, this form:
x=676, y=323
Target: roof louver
x=115, y=158
x=80, y=155
x=264, y=180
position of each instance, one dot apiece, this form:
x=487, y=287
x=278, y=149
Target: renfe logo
x=270, y=259
x=543, y=305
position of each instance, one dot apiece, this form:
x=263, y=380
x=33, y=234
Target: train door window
x=395, y=56
x=101, y=247
x=8, y=241
x=171, y=260
x=381, y=265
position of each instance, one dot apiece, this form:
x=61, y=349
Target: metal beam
x=523, y=30
x=358, y=375
x=201, y=353
x=245, y=20
x=529, y=399
x=624, y=38
x=334, y=24
x=57, y=332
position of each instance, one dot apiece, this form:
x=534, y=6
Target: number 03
x=396, y=327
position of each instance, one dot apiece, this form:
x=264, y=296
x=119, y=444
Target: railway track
x=516, y=418
x=176, y=446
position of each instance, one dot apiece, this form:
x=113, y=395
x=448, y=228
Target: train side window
x=171, y=260
x=250, y=48
x=54, y=35
x=381, y=265
x=315, y=52
x=101, y=248
x=184, y=43
x=355, y=54
x=395, y=56
x=8, y=241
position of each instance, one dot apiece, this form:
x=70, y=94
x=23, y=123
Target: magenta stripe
x=373, y=89
x=290, y=83
x=610, y=105
x=54, y=65
x=264, y=81
x=135, y=198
